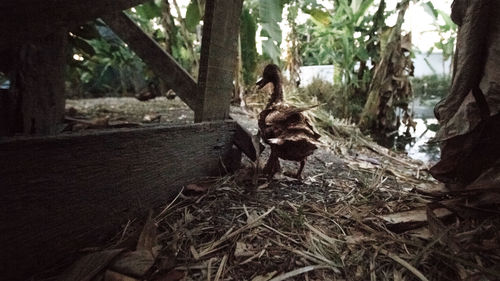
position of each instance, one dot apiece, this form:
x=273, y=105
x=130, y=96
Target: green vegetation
x=101, y=64
x=432, y=86
x=353, y=36
x=446, y=31
x=348, y=38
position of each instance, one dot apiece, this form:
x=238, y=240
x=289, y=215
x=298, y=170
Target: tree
x=390, y=87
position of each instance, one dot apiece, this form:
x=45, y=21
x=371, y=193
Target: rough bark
x=26, y=20
x=35, y=102
x=217, y=63
x=64, y=193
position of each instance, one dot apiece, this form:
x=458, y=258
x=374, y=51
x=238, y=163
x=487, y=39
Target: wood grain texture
x=25, y=20
x=218, y=57
x=161, y=62
x=35, y=104
x=62, y=193
x=243, y=140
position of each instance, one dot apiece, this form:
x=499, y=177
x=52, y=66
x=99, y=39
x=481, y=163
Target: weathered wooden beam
x=34, y=104
x=24, y=20
x=243, y=140
x=62, y=193
x=245, y=137
x=162, y=63
x=217, y=62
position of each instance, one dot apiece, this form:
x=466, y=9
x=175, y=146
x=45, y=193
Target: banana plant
x=447, y=31
x=270, y=14
x=249, y=55
x=347, y=38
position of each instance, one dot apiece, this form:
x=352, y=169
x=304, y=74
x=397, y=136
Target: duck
x=150, y=92
x=284, y=127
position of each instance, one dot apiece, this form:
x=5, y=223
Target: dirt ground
x=361, y=212
x=172, y=111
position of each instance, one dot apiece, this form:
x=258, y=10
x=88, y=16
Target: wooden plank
x=62, y=193
x=35, y=100
x=218, y=58
x=246, y=138
x=243, y=140
x=412, y=219
x=162, y=63
x=24, y=20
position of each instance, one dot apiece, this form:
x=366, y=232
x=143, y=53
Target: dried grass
x=338, y=224
x=330, y=227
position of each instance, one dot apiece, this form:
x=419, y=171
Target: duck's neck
x=277, y=95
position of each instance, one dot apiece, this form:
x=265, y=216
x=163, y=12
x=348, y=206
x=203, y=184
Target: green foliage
x=447, y=31
x=431, y=86
x=193, y=15
x=348, y=40
x=101, y=64
x=107, y=65
x=148, y=10
x=248, y=31
x=270, y=15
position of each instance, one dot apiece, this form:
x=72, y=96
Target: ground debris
x=337, y=227
x=362, y=212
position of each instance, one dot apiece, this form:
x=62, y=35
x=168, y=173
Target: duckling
x=284, y=127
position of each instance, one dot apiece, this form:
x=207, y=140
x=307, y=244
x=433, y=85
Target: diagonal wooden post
x=161, y=62
x=218, y=56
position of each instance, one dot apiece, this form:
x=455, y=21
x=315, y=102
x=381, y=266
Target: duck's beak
x=261, y=83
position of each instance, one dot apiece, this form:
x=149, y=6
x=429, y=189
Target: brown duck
x=152, y=91
x=284, y=127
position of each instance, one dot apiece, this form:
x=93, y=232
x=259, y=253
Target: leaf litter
x=362, y=212
x=341, y=224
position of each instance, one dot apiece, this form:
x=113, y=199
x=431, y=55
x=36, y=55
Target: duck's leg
x=301, y=168
x=273, y=164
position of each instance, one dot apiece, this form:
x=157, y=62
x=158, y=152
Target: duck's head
x=271, y=74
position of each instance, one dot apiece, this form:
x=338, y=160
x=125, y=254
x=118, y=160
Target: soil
x=172, y=111
x=361, y=212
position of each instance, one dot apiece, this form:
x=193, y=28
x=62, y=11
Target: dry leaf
x=418, y=215
x=266, y=277
x=357, y=238
x=433, y=189
x=252, y=216
x=147, y=239
x=172, y=275
x=361, y=166
x=135, y=263
x=243, y=250
x=196, y=188
x=89, y=266
x=148, y=118
x=263, y=186
x=115, y=276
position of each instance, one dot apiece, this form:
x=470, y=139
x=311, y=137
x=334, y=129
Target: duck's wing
x=285, y=113
x=304, y=127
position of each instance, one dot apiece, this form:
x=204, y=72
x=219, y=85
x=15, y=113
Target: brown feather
x=285, y=127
